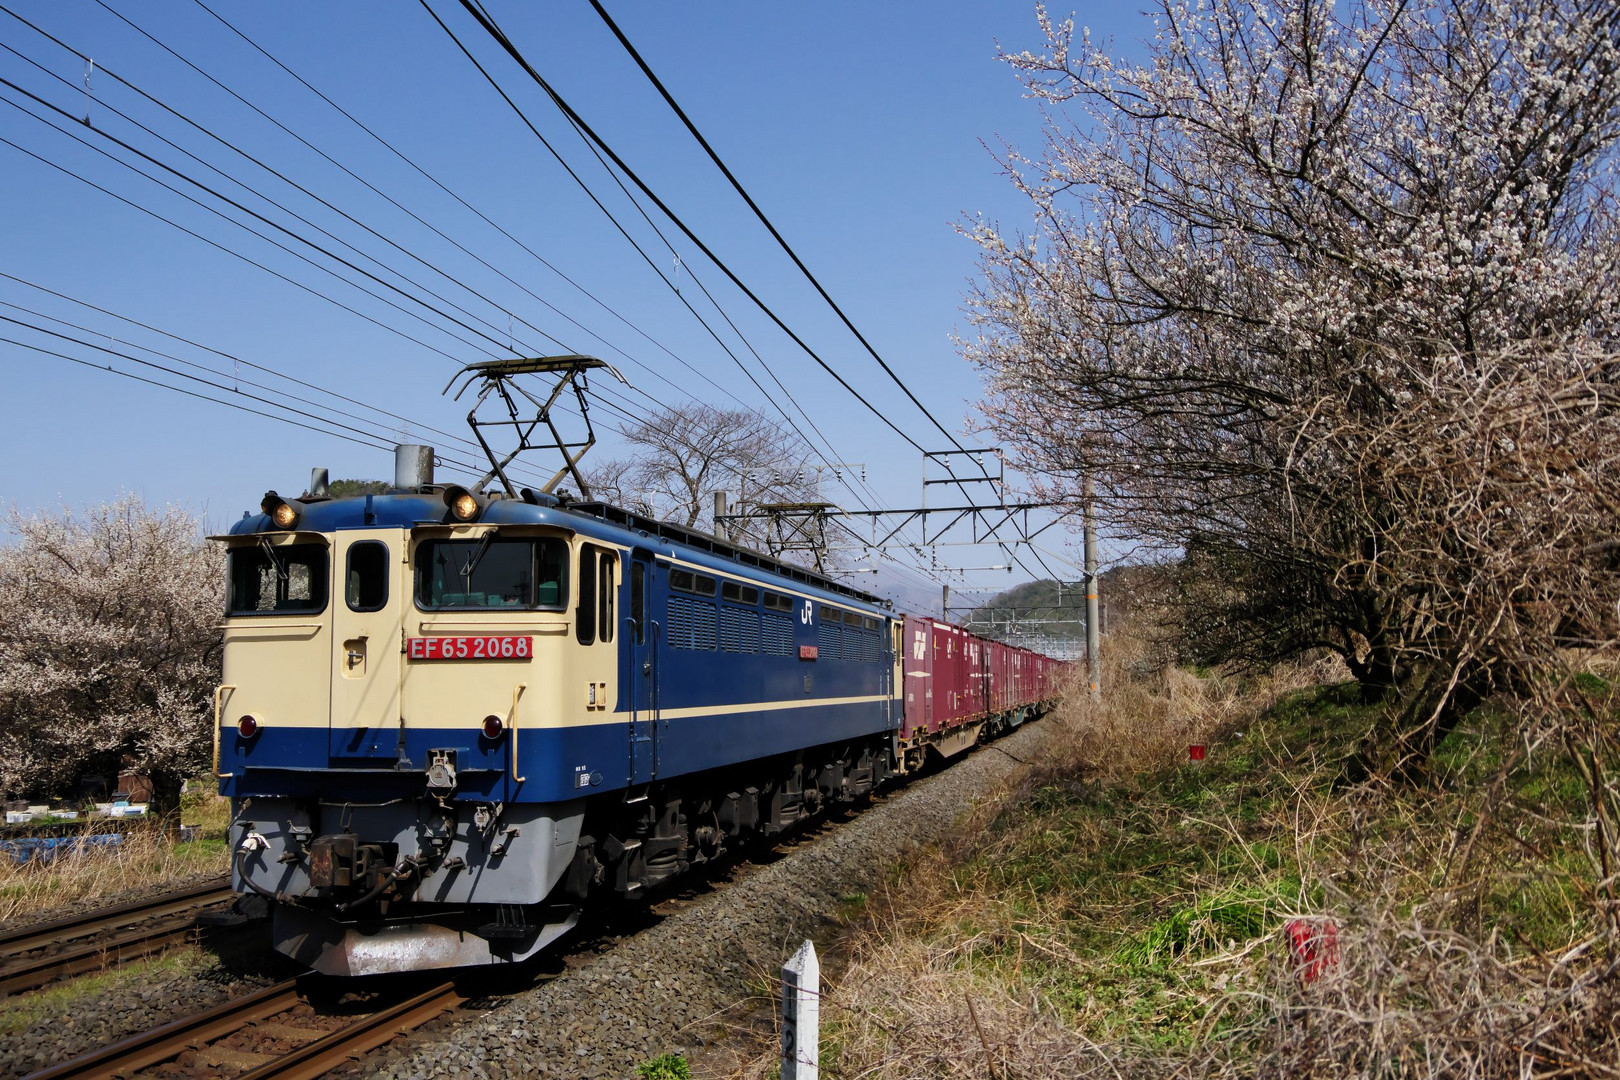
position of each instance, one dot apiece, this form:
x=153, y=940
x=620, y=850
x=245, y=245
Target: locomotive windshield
x=489, y=574
x=276, y=580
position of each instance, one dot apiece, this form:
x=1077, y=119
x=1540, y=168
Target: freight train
x=450, y=720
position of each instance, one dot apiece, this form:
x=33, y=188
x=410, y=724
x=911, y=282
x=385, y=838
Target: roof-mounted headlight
x=464, y=505
x=283, y=513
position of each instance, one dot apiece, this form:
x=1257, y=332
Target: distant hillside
x=1058, y=610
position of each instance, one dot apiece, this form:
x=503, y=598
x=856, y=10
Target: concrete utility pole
x=1093, y=637
x=722, y=528
x=945, y=603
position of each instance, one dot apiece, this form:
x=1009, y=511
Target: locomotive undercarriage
x=424, y=882
x=630, y=846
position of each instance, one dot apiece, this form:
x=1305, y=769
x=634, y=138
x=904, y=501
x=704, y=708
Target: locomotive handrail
x=219, y=708
x=517, y=692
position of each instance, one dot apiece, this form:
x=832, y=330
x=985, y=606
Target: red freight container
x=917, y=670
x=949, y=672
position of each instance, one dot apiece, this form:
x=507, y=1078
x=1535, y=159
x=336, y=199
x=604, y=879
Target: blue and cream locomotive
x=448, y=719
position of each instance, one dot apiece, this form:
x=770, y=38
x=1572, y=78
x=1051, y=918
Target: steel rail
x=37, y=971
x=162, y=1043
x=40, y=935
x=363, y=1036
x=313, y=1059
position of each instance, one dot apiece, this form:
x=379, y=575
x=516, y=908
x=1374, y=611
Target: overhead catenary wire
x=236, y=381
x=518, y=111
x=227, y=200
x=179, y=389
x=495, y=305
x=568, y=111
x=760, y=214
x=73, y=134
x=235, y=359
x=621, y=409
x=484, y=20
x=259, y=194
x=626, y=411
x=436, y=182
x=248, y=188
x=583, y=186
x=216, y=244
x=578, y=180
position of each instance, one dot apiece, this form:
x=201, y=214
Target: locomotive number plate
x=460, y=647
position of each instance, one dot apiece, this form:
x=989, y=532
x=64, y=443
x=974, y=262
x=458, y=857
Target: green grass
x=1129, y=907
x=59, y=1001
x=665, y=1067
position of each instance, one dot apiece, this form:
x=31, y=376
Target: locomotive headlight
x=464, y=505
x=284, y=513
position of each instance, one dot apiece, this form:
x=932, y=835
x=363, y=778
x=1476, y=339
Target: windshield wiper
x=475, y=558
x=283, y=575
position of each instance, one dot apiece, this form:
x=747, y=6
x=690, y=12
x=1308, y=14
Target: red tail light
x=493, y=726
x=248, y=726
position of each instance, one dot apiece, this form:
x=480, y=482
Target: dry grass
x=147, y=858
x=1116, y=912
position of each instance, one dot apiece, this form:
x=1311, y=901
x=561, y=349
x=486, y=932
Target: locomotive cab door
x=368, y=598
x=641, y=649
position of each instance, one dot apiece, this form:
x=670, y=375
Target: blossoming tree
x=1322, y=297
x=109, y=648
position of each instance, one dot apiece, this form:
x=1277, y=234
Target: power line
x=593, y=138
x=578, y=180
x=760, y=214
x=213, y=243
x=625, y=233
x=511, y=50
x=623, y=411
x=261, y=195
x=492, y=224
x=227, y=200
x=224, y=355
x=178, y=389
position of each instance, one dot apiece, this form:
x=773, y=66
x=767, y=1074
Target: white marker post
x=801, y=1015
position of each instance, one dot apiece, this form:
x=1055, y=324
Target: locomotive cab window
x=489, y=574
x=594, y=615
x=277, y=579
x=638, y=600
x=366, y=578
x=606, y=573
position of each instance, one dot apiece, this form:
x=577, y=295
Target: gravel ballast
x=653, y=992
x=119, y=1005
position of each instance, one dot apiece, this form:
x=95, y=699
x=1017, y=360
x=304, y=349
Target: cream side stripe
x=582, y=718
x=766, y=706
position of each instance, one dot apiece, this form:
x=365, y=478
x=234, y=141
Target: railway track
x=270, y=1034
x=78, y=944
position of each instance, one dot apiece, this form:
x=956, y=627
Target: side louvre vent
x=691, y=624
x=739, y=630
x=777, y=636
x=831, y=635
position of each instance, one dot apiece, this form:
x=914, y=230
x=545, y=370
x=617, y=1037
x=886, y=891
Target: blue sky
x=859, y=128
